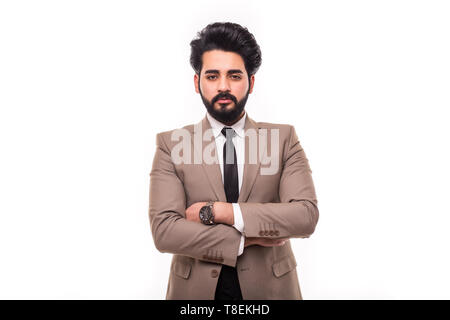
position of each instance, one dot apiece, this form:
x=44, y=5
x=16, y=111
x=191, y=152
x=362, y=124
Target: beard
x=225, y=114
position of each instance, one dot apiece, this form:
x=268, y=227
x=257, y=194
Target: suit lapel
x=213, y=170
x=250, y=169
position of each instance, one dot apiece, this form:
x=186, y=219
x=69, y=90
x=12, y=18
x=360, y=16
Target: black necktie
x=228, y=287
x=230, y=171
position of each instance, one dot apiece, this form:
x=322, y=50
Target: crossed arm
x=177, y=230
x=224, y=214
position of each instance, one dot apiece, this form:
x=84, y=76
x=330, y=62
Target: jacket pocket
x=283, y=266
x=182, y=270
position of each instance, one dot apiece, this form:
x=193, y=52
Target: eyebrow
x=215, y=71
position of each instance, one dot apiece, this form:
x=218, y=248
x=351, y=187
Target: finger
x=273, y=242
x=281, y=242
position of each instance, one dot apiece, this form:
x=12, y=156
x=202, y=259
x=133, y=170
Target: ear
x=196, y=77
x=252, y=82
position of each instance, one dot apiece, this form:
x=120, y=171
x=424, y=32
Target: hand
x=192, y=213
x=265, y=242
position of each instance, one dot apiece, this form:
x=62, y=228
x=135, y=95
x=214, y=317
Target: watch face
x=205, y=215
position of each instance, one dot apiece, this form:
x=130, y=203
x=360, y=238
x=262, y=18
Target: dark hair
x=226, y=36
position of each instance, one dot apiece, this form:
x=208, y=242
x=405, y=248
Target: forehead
x=222, y=60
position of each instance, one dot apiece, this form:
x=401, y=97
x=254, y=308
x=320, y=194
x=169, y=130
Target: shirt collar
x=217, y=126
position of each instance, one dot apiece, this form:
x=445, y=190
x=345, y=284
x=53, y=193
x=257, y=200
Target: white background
x=86, y=85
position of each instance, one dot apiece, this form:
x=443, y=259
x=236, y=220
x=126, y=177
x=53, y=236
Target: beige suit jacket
x=280, y=205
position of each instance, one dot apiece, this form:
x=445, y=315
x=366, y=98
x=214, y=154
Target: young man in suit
x=223, y=213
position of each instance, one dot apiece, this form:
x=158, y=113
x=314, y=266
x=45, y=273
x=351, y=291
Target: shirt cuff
x=241, y=245
x=238, y=221
x=239, y=225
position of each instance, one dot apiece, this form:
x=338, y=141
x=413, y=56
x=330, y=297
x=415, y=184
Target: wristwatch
x=207, y=213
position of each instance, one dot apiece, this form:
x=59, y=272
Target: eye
x=209, y=77
x=236, y=77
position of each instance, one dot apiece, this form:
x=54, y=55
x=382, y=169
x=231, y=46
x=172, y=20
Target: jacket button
x=214, y=273
x=261, y=233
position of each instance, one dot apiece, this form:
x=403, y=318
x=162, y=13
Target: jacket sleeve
x=171, y=231
x=297, y=213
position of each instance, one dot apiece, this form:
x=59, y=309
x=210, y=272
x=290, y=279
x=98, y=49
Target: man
x=214, y=203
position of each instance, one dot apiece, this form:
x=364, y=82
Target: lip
x=224, y=101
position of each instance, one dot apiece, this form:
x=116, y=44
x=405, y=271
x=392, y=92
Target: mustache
x=224, y=96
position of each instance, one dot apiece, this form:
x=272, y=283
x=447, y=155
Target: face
x=224, y=85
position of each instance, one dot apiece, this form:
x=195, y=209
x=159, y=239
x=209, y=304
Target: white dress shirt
x=239, y=145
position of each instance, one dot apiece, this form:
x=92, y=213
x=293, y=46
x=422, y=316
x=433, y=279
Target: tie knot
x=228, y=132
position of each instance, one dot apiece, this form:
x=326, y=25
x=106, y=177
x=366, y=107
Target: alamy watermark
x=257, y=148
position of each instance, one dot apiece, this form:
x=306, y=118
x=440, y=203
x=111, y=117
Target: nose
x=223, y=84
